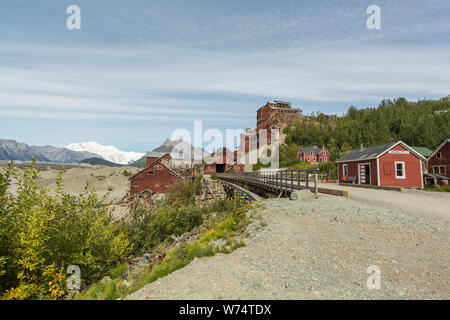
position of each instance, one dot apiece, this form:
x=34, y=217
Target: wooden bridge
x=279, y=183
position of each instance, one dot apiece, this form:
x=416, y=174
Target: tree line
x=424, y=123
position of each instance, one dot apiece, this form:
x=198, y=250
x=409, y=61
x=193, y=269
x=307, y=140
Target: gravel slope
x=321, y=249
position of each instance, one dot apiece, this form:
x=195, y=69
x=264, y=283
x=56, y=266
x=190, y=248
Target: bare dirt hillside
x=107, y=181
x=321, y=249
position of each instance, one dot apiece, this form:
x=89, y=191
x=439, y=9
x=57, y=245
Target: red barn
x=394, y=164
x=314, y=154
x=157, y=177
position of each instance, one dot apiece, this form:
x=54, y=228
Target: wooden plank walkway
x=284, y=182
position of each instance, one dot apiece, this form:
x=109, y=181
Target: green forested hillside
x=425, y=123
x=140, y=163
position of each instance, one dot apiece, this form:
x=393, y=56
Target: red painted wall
x=353, y=167
x=210, y=168
x=387, y=169
x=444, y=161
x=145, y=181
x=412, y=169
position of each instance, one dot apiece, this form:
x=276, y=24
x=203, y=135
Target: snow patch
x=109, y=153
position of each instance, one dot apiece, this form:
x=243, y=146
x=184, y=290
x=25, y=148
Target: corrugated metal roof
x=423, y=151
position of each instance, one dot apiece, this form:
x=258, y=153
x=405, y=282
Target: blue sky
x=139, y=69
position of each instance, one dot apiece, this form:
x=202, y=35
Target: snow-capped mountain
x=109, y=153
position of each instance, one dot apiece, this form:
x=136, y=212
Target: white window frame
x=325, y=159
x=404, y=170
x=345, y=170
x=439, y=170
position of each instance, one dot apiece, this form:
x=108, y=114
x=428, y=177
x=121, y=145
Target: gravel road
x=321, y=249
x=434, y=205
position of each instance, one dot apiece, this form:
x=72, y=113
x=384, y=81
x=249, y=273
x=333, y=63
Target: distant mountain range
x=92, y=153
x=109, y=153
x=13, y=150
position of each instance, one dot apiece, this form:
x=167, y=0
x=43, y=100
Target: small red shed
x=157, y=177
x=394, y=164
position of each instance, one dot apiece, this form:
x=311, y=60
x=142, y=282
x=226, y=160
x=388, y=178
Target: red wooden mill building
x=223, y=160
x=157, y=177
x=394, y=164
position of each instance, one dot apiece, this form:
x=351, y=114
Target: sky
x=137, y=69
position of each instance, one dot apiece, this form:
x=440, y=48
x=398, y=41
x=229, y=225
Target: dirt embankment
x=321, y=249
x=110, y=183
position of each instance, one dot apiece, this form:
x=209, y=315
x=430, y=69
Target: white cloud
x=131, y=83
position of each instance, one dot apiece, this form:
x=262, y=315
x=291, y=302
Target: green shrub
x=118, y=270
x=126, y=173
x=41, y=234
x=151, y=226
x=439, y=189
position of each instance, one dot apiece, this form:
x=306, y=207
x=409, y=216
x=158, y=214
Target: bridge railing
x=278, y=180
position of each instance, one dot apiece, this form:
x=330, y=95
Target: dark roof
x=374, y=152
x=366, y=153
x=313, y=149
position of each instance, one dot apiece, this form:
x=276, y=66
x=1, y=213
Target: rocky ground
x=321, y=249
